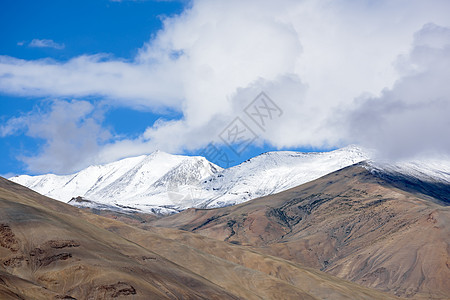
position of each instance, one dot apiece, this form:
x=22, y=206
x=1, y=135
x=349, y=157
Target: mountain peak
x=149, y=182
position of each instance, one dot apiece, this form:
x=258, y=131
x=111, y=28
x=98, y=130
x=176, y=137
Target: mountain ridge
x=351, y=223
x=51, y=250
x=174, y=183
x=162, y=183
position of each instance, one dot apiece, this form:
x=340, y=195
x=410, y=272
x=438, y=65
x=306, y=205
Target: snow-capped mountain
x=424, y=169
x=273, y=172
x=125, y=181
x=426, y=175
x=165, y=183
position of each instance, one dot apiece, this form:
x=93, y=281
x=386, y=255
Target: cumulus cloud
x=45, y=43
x=313, y=58
x=71, y=131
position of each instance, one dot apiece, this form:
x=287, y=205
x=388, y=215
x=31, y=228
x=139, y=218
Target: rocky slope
x=51, y=250
x=383, y=230
x=48, y=251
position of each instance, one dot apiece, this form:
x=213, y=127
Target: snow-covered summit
x=168, y=183
x=165, y=183
x=120, y=181
x=273, y=172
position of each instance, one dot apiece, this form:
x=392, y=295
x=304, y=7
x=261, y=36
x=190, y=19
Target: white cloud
x=44, y=43
x=72, y=135
x=129, y=84
x=412, y=116
x=312, y=57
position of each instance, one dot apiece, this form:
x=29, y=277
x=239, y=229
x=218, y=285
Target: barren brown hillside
x=49, y=249
x=351, y=223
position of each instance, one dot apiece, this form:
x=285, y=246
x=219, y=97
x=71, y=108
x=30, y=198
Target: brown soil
x=63, y=253
x=350, y=223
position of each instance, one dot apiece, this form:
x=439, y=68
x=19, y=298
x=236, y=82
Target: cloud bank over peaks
x=412, y=116
x=312, y=58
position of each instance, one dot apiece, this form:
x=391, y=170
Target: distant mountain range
x=165, y=183
x=162, y=183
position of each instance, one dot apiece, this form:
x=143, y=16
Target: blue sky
x=80, y=28
x=89, y=82
x=84, y=27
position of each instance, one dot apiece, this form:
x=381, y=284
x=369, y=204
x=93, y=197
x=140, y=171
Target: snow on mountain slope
x=163, y=183
x=124, y=181
x=273, y=172
x=79, y=184
x=425, y=169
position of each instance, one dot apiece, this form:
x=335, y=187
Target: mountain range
x=282, y=225
x=163, y=183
